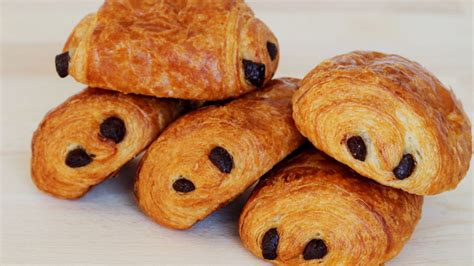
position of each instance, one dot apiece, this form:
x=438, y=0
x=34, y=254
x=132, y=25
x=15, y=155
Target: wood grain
x=106, y=226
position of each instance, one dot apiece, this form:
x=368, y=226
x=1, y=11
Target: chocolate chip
x=62, y=64
x=254, y=72
x=315, y=249
x=222, y=159
x=270, y=244
x=113, y=128
x=78, y=158
x=183, y=185
x=405, y=167
x=356, y=146
x=272, y=50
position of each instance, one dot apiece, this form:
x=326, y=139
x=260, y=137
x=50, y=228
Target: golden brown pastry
x=208, y=157
x=194, y=49
x=387, y=118
x=312, y=210
x=89, y=137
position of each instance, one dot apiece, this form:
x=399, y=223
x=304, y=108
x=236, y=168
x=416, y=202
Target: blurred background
x=437, y=34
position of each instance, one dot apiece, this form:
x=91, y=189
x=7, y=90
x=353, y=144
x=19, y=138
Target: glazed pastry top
x=195, y=49
x=316, y=210
x=209, y=156
x=91, y=135
x=406, y=79
x=390, y=110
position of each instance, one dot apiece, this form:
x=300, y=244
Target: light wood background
x=106, y=227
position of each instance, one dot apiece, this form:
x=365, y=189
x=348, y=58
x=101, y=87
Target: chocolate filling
x=222, y=159
x=183, y=185
x=357, y=148
x=254, y=72
x=62, y=64
x=272, y=50
x=113, y=128
x=405, y=167
x=270, y=244
x=315, y=249
x=78, y=158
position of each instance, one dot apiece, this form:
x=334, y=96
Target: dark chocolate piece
x=222, y=159
x=405, y=167
x=272, y=50
x=254, y=72
x=113, y=128
x=270, y=244
x=62, y=64
x=78, y=158
x=315, y=249
x=183, y=185
x=356, y=146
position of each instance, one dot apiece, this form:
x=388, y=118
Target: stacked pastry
x=394, y=132
x=134, y=54
x=399, y=134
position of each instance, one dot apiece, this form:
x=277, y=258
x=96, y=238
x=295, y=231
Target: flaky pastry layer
x=387, y=118
x=90, y=136
x=312, y=210
x=191, y=49
x=210, y=156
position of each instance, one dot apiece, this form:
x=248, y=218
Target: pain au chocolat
x=187, y=49
x=312, y=210
x=387, y=118
x=89, y=137
x=210, y=156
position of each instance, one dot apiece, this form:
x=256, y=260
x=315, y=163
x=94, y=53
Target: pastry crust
x=216, y=153
x=312, y=197
x=76, y=125
x=179, y=49
x=416, y=134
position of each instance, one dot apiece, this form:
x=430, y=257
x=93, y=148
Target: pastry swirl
x=210, y=156
x=195, y=49
x=90, y=136
x=313, y=210
x=387, y=118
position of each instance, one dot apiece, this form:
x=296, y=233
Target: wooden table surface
x=106, y=227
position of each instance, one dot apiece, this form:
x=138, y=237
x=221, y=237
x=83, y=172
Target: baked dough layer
x=415, y=133
x=210, y=156
x=191, y=49
x=310, y=201
x=72, y=150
